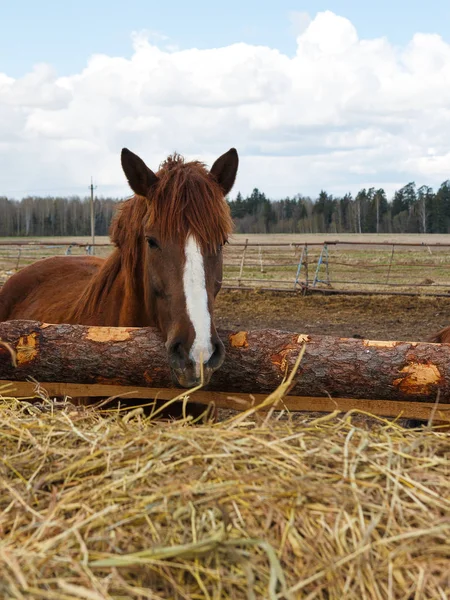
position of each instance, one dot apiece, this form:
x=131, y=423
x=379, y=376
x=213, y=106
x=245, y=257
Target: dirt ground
x=371, y=317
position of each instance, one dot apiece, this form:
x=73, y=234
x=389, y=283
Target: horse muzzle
x=188, y=378
x=186, y=372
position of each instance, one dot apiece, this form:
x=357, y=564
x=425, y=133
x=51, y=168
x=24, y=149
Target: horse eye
x=152, y=243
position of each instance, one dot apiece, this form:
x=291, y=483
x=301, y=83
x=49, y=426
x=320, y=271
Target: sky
x=313, y=95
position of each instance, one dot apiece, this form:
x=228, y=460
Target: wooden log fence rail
x=389, y=378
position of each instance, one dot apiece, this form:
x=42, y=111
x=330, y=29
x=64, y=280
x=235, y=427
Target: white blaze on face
x=197, y=302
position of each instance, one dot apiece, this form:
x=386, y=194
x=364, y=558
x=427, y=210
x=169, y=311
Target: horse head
x=185, y=226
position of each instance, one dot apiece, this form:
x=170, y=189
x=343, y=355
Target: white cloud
x=341, y=113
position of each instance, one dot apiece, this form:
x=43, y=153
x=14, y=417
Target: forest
x=412, y=209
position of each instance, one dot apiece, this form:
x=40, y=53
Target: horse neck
x=137, y=303
x=116, y=294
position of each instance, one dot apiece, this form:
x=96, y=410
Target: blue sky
x=64, y=33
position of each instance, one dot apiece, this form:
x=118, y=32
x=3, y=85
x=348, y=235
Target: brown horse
x=165, y=270
x=441, y=337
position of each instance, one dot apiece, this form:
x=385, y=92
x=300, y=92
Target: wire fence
x=326, y=267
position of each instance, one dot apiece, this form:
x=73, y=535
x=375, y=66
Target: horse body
x=53, y=290
x=165, y=270
x=441, y=337
x=26, y=295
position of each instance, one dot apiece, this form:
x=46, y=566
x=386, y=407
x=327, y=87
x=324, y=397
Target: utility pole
x=377, y=199
x=92, y=187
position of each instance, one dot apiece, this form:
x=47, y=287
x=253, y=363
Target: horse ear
x=224, y=170
x=139, y=176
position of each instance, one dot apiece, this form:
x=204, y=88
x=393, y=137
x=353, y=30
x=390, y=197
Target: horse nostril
x=178, y=355
x=176, y=350
x=217, y=356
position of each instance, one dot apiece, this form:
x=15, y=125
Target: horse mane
x=185, y=200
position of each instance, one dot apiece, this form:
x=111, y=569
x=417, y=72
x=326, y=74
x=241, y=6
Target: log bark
x=256, y=362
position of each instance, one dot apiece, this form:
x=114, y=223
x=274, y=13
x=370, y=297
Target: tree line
x=410, y=210
x=35, y=216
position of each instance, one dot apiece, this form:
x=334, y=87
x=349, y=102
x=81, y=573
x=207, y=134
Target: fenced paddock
x=304, y=263
x=100, y=503
x=340, y=266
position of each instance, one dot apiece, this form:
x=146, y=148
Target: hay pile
x=97, y=506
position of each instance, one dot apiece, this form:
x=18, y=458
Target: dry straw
x=106, y=504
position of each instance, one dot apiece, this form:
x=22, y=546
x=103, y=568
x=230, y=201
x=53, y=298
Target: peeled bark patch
x=380, y=344
x=239, y=339
x=419, y=379
x=108, y=334
x=27, y=348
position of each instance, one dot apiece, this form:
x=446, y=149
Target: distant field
x=258, y=238
x=271, y=262
x=413, y=238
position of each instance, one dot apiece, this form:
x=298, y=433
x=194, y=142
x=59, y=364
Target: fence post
x=299, y=267
x=242, y=262
x=306, y=267
x=327, y=266
x=390, y=263
x=323, y=259
x=19, y=253
x=260, y=255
